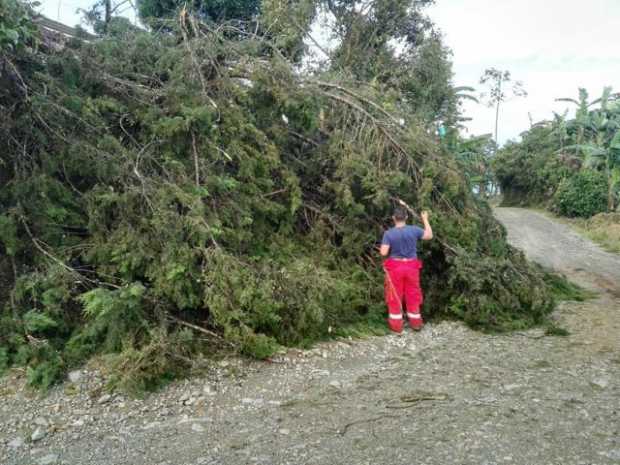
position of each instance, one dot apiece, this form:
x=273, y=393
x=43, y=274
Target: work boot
x=395, y=322
x=415, y=321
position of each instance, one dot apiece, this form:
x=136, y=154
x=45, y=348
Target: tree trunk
x=108, y=15
x=499, y=100
x=610, y=191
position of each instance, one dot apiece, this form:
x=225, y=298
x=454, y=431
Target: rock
x=197, y=428
x=41, y=421
x=601, y=383
x=16, y=443
x=613, y=454
x=104, y=399
x=284, y=431
x=38, y=434
x=184, y=397
x=335, y=384
x=48, y=459
x=208, y=390
x=511, y=387
x=75, y=376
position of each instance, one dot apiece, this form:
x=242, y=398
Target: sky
x=552, y=46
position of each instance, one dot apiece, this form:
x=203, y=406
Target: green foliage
x=583, y=195
x=563, y=289
x=35, y=322
x=16, y=28
x=8, y=235
x=494, y=294
x=530, y=172
x=188, y=192
x=4, y=359
x=213, y=10
x=162, y=359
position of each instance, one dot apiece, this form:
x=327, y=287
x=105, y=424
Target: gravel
x=441, y=396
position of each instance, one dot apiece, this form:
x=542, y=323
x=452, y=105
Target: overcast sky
x=553, y=46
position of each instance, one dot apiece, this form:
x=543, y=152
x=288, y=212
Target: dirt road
x=447, y=395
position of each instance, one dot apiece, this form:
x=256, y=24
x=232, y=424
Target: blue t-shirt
x=403, y=241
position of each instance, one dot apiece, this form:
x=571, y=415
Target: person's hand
x=424, y=216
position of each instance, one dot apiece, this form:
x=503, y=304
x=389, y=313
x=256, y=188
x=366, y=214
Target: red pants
x=402, y=285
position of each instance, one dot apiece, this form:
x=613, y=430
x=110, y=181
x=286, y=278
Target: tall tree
x=499, y=90
x=212, y=10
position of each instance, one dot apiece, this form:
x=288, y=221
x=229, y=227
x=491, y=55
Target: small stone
x=16, y=443
x=41, y=421
x=184, y=397
x=335, y=384
x=75, y=376
x=284, y=431
x=224, y=363
x=197, y=428
x=48, y=459
x=247, y=400
x=600, y=383
x=104, y=399
x=208, y=390
x=38, y=434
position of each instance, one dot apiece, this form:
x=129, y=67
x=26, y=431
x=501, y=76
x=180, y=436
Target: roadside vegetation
x=201, y=187
x=603, y=228
x=569, y=166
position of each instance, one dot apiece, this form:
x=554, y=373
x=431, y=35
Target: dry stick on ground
x=346, y=427
x=200, y=329
x=411, y=400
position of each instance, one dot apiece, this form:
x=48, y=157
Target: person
x=402, y=269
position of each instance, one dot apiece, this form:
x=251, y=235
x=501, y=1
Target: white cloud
x=554, y=47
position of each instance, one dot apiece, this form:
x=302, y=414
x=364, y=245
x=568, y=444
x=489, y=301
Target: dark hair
x=400, y=214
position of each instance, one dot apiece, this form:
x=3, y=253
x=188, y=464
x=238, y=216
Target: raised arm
x=428, y=231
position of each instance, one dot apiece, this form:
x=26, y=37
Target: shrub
x=582, y=195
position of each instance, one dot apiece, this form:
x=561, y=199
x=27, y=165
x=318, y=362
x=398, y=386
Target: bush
x=582, y=195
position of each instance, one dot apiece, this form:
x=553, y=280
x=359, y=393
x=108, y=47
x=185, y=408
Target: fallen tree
x=188, y=191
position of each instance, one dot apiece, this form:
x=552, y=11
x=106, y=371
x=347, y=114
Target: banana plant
x=604, y=157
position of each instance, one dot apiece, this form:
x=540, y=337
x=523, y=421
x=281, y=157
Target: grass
x=603, y=229
x=565, y=290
